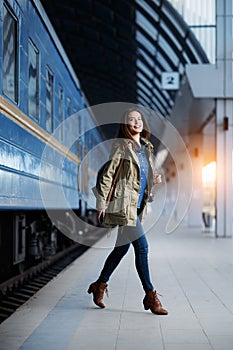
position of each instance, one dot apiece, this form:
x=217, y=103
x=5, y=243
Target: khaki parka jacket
x=122, y=209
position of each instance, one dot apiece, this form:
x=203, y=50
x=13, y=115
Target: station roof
x=119, y=48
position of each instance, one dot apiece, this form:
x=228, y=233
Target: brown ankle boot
x=152, y=302
x=98, y=289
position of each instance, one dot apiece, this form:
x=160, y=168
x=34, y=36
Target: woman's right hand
x=100, y=216
x=157, y=178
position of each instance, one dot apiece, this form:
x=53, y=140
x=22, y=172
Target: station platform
x=190, y=268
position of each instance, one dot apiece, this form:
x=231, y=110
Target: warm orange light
x=209, y=174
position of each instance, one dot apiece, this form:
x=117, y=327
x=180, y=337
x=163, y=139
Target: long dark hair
x=124, y=131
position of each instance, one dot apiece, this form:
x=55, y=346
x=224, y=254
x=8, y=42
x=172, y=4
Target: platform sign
x=170, y=80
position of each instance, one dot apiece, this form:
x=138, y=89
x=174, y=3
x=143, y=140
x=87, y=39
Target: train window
x=69, y=127
x=61, y=112
x=75, y=132
x=49, y=99
x=68, y=107
x=80, y=138
x=10, y=54
x=33, y=83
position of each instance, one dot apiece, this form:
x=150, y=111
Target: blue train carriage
x=39, y=91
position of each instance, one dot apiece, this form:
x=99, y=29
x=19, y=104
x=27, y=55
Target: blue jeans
x=126, y=236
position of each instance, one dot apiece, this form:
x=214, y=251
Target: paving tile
x=93, y=338
x=184, y=336
x=221, y=342
x=140, y=320
x=101, y=318
x=182, y=321
x=139, y=339
x=217, y=325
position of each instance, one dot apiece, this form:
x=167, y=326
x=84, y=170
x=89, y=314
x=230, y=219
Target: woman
x=127, y=207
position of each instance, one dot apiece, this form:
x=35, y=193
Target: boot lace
x=155, y=294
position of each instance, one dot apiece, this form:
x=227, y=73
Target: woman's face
x=135, y=122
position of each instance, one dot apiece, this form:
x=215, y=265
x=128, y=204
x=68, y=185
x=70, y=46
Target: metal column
x=224, y=116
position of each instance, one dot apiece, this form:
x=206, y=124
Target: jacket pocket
x=120, y=202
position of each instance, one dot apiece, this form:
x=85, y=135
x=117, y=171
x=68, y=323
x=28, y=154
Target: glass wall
x=200, y=16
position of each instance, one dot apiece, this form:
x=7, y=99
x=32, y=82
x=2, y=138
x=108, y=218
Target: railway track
x=17, y=290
